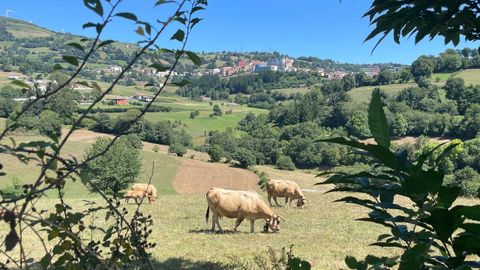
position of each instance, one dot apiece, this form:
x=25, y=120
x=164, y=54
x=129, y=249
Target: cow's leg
x=275, y=199
x=252, y=226
x=286, y=199
x=237, y=222
x=270, y=199
x=217, y=220
x=213, y=223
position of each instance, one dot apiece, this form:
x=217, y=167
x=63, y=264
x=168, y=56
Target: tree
x=422, y=68
x=454, y=17
x=134, y=141
x=178, y=149
x=245, y=157
x=115, y=170
x=405, y=75
x=468, y=180
x=285, y=163
x=470, y=125
x=49, y=123
x=357, y=125
x=215, y=152
x=216, y=110
x=7, y=107
x=454, y=88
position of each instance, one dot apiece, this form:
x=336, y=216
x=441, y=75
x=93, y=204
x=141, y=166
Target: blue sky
x=324, y=28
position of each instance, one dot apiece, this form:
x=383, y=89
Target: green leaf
x=140, y=31
x=11, y=240
x=89, y=25
x=94, y=5
x=414, y=258
x=105, y=43
x=298, y=264
x=377, y=121
x=161, y=2
x=179, y=35
x=470, y=212
x=194, y=21
x=351, y=262
x=194, y=58
x=447, y=195
x=75, y=45
x=71, y=60
x=127, y=15
x=159, y=67
x=21, y=84
x=444, y=222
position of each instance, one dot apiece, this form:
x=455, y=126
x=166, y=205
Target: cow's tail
x=207, y=214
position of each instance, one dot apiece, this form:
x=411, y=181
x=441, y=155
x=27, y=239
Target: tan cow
x=283, y=188
x=137, y=195
x=240, y=205
x=149, y=189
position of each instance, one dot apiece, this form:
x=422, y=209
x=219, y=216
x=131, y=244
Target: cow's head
x=273, y=223
x=301, y=202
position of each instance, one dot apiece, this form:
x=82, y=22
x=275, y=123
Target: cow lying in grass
x=283, y=188
x=240, y=205
x=150, y=190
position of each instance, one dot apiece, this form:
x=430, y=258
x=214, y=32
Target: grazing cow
x=149, y=189
x=240, y=205
x=137, y=195
x=288, y=189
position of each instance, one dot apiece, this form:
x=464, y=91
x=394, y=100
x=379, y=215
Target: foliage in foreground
x=71, y=237
x=432, y=230
x=282, y=259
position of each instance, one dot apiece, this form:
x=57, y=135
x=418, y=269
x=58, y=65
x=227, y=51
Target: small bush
x=134, y=141
x=285, y=163
x=155, y=148
x=13, y=191
x=215, y=153
x=177, y=148
x=245, y=158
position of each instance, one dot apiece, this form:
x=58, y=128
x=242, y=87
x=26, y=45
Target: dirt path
x=195, y=176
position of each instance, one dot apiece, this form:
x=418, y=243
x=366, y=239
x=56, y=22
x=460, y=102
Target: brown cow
x=288, y=189
x=134, y=194
x=149, y=189
x=240, y=205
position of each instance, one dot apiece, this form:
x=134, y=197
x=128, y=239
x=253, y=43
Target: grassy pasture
x=471, y=76
x=362, y=94
x=301, y=90
x=181, y=108
x=322, y=233
x=166, y=167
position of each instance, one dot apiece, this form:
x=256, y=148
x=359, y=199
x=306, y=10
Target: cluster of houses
x=120, y=100
x=284, y=64
x=114, y=69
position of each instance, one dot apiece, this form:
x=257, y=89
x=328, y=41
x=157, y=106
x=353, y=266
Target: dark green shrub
x=285, y=163
x=134, y=141
x=177, y=148
x=215, y=152
x=245, y=157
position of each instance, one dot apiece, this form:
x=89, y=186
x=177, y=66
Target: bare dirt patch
x=195, y=176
